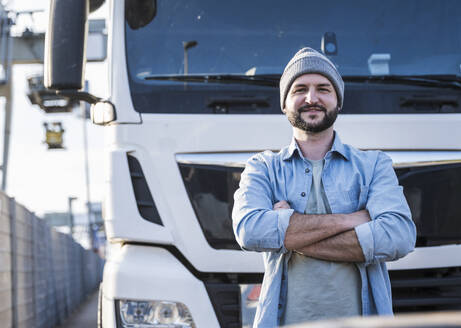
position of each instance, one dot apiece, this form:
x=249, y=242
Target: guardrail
x=44, y=274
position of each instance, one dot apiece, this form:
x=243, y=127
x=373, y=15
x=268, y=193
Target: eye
x=298, y=90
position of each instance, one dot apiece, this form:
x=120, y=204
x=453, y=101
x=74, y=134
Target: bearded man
x=326, y=215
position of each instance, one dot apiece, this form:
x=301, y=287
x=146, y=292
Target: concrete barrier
x=44, y=274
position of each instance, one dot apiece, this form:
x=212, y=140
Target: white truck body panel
x=146, y=273
x=118, y=85
x=161, y=141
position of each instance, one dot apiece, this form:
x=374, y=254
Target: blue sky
x=43, y=179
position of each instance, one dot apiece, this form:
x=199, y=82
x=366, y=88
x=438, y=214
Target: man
x=326, y=215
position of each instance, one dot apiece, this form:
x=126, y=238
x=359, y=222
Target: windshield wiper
x=269, y=80
x=439, y=81
x=272, y=80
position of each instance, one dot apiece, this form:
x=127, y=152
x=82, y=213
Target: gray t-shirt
x=320, y=289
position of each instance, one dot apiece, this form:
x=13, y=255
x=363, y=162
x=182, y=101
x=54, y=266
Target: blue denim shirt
x=353, y=180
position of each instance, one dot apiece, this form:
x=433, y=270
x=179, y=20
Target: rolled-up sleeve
x=257, y=227
x=391, y=233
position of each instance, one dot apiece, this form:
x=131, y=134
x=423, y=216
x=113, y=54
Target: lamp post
x=71, y=215
x=87, y=173
x=187, y=45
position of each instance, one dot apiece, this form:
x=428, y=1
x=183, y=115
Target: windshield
x=412, y=37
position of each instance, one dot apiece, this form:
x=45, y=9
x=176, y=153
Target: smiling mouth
x=309, y=109
x=312, y=111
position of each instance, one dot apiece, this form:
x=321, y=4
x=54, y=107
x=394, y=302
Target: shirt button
x=280, y=306
x=303, y=194
x=307, y=170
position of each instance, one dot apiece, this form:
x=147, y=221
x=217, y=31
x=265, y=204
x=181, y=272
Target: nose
x=311, y=97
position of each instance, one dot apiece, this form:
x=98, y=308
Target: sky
x=42, y=179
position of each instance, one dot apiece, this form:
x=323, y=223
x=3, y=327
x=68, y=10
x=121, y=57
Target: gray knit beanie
x=308, y=60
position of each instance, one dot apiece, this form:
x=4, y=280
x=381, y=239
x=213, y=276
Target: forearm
x=343, y=247
x=306, y=229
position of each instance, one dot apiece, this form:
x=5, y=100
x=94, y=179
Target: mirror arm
x=79, y=95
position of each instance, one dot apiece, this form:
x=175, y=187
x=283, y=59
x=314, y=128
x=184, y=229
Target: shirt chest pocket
x=349, y=200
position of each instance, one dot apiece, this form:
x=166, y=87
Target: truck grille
x=431, y=191
x=226, y=303
x=426, y=289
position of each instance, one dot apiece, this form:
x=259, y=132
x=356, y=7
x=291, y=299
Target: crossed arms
x=325, y=236
x=382, y=232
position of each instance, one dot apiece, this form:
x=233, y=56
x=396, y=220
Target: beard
x=328, y=118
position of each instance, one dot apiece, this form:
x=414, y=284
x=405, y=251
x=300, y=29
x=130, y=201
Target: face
x=311, y=104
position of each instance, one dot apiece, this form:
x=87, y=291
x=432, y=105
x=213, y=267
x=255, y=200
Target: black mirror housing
x=65, y=44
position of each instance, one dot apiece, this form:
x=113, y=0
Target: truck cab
x=194, y=93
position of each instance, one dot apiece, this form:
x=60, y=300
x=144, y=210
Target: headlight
x=154, y=314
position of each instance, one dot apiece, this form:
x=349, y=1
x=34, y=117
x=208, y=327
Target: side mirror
x=65, y=43
x=65, y=57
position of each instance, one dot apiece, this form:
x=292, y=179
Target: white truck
x=194, y=93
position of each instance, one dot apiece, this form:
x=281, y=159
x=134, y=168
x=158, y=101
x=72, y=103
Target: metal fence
x=44, y=274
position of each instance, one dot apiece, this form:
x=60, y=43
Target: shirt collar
x=337, y=147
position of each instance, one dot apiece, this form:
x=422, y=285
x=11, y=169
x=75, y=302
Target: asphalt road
x=86, y=316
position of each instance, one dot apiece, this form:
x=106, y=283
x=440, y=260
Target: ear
x=284, y=110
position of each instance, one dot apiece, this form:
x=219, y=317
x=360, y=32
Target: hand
x=282, y=205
